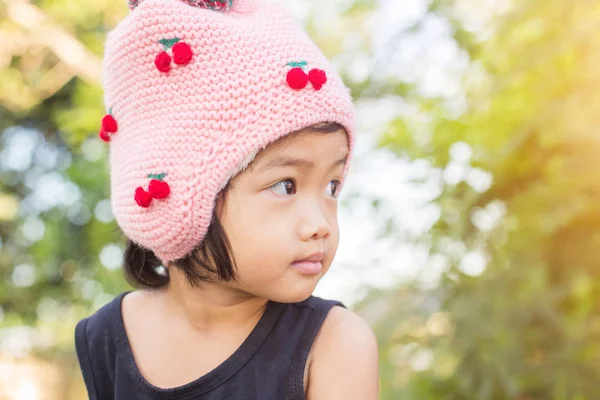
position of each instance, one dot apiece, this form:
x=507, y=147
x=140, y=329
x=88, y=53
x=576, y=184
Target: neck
x=212, y=307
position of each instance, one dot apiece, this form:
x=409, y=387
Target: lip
x=315, y=257
x=311, y=265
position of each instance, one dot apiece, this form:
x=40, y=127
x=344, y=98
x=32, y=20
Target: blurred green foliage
x=528, y=325
x=49, y=246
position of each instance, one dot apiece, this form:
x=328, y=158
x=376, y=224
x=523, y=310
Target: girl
x=230, y=136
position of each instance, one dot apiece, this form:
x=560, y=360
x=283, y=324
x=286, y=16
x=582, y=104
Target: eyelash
x=293, y=186
x=282, y=183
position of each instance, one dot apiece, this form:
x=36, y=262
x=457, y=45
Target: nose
x=315, y=224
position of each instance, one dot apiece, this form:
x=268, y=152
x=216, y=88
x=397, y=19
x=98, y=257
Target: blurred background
x=470, y=222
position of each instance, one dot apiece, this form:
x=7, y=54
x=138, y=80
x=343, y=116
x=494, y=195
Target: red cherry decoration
x=163, y=62
x=297, y=78
x=182, y=53
x=142, y=198
x=104, y=135
x=317, y=77
x=159, y=189
x=109, y=124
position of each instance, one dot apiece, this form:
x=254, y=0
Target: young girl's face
x=282, y=210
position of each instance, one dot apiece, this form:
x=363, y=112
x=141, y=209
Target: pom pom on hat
x=109, y=126
x=317, y=77
x=215, y=5
x=182, y=53
x=163, y=61
x=297, y=78
x=142, y=198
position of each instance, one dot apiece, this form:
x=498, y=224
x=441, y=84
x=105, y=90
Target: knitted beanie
x=194, y=89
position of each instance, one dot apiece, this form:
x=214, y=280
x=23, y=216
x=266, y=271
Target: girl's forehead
x=307, y=143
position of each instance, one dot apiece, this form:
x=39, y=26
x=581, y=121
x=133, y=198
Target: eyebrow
x=283, y=162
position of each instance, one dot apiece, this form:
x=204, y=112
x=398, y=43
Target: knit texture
x=202, y=121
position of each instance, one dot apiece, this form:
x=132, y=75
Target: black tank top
x=268, y=365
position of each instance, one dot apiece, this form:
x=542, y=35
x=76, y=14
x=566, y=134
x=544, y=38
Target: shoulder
x=345, y=359
x=95, y=346
x=100, y=332
x=95, y=323
x=100, y=321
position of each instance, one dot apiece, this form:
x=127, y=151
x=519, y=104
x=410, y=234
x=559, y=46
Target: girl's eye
x=333, y=188
x=284, y=188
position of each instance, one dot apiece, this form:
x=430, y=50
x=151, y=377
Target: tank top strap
x=300, y=324
x=96, y=349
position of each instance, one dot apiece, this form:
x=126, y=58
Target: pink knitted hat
x=195, y=89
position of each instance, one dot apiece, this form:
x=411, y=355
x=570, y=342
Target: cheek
x=257, y=235
x=249, y=220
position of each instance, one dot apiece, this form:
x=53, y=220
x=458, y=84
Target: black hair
x=211, y=260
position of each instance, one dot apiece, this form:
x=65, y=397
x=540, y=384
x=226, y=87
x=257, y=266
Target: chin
x=293, y=295
x=299, y=298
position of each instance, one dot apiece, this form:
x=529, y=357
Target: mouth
x=311, y=265
x=316, y=257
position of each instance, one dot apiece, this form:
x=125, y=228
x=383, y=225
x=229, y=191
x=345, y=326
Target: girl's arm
x=345, y=359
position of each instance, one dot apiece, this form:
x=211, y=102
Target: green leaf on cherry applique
x=160, y=177
x=168, y=43
x=297, y=64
